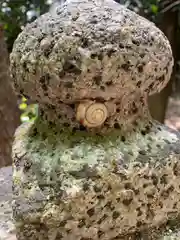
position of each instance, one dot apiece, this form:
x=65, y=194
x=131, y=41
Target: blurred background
x=15, y=14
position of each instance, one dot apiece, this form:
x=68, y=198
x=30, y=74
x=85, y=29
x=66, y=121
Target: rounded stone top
x=87, y=49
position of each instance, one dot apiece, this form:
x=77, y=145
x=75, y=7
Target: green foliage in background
x=15, y=14
x=148, y=8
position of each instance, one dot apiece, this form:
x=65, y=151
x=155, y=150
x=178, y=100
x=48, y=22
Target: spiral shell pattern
x=91, y=114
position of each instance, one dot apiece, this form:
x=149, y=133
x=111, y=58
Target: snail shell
x=91, y=114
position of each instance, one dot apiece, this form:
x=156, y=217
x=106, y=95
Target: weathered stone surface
x=77, y=186
x=6, y=222
x=90, y=47
x=90, y=50
x=117, y=180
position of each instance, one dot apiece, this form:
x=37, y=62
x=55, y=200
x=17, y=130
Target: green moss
x=53, y=149
x=67, y=168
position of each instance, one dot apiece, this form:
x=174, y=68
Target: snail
x=91, y=114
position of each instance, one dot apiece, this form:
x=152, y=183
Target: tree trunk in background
x=9, y=112
x=158, y=102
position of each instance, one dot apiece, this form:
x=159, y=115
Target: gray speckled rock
x=90, y=50
x=119, y=180
x=78, y=186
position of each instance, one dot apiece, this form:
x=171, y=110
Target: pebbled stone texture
x=96, y=51
x=120, y=181
x=77, y=186
x=7, y=231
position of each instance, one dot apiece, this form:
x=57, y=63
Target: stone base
x=7, y=230
x=78, y=186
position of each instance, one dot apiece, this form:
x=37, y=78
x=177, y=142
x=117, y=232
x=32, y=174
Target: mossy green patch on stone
x=60, y=146
x=68, y=175
x=80, y=154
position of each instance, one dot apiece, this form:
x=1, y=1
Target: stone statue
x=94, y=164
